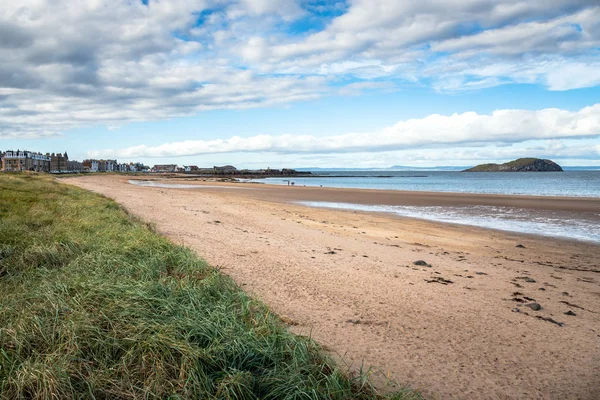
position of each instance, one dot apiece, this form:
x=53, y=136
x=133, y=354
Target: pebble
x=422, y=263
x=520, y=246
x=570, y=313
x=534, y=306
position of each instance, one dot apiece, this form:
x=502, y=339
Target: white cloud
x=574, y=76
x=288, y=9
x=567, y=34
x=67, y=65
x=379, y=29
x=73, y=64
x=433, y=131
x=455, y=45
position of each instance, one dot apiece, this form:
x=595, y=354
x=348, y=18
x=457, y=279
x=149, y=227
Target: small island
x=519, y=165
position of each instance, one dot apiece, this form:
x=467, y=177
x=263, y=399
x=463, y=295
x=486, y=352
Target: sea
x=568, y=183
x=571, y=225
x=581, y=226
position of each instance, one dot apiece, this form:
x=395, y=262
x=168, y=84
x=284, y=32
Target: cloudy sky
x=302, y=83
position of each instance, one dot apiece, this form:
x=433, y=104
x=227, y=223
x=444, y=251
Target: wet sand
x=459, y=327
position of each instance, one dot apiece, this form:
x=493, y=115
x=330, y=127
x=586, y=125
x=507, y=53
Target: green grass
x=95, y=304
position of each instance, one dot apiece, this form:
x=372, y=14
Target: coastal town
x=59, y=163
x=25, y=160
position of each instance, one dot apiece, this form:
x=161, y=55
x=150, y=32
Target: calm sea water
x=575, y=225
x=571, y=225
x=568, y=183
x=578, y=226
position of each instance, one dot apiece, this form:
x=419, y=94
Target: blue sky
x=300, y=83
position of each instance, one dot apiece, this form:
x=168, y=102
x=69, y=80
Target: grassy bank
x=94, y=304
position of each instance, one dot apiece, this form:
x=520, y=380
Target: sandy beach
x=462, y=326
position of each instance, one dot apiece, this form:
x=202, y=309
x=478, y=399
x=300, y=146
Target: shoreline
x=506, y=185
x=458, y=224
x=410, y=198
x=459, y=328
x=567, y=218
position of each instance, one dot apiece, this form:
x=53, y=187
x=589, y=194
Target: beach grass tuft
x=95, y=304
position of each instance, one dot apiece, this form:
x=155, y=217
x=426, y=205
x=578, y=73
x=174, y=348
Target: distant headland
x=519, y=165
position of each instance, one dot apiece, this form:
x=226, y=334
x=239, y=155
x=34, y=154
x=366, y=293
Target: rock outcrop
x=520, y=165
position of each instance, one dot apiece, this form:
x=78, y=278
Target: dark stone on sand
x=572, y=305
x=534, y=306
x=549, y=320
x=331, y=252
x=439, y=279
x=526, y=279
x=565, y=293
x=422, y=263
x=570, y=313
x=541, y=288
x=520, y=246
x=480, y=273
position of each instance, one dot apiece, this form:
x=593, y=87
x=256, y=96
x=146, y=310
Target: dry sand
x=347, y=279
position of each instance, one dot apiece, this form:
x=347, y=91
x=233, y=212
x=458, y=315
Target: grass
x=95, y=304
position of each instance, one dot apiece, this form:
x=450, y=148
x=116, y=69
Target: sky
x=302, y=83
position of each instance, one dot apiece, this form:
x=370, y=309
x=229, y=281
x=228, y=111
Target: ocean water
x=569, y=225
x=568, y=183
x=578, y=226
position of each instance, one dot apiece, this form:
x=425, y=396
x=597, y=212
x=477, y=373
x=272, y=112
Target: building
x=225, y=170
x=74, y=166
x=100, y=165
x=138, y=167
x=131, y=167
x=110, y=165
x=191, y=168
x=23, y=160
x=165, y=168
x=90, y=165
x=59, y=162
